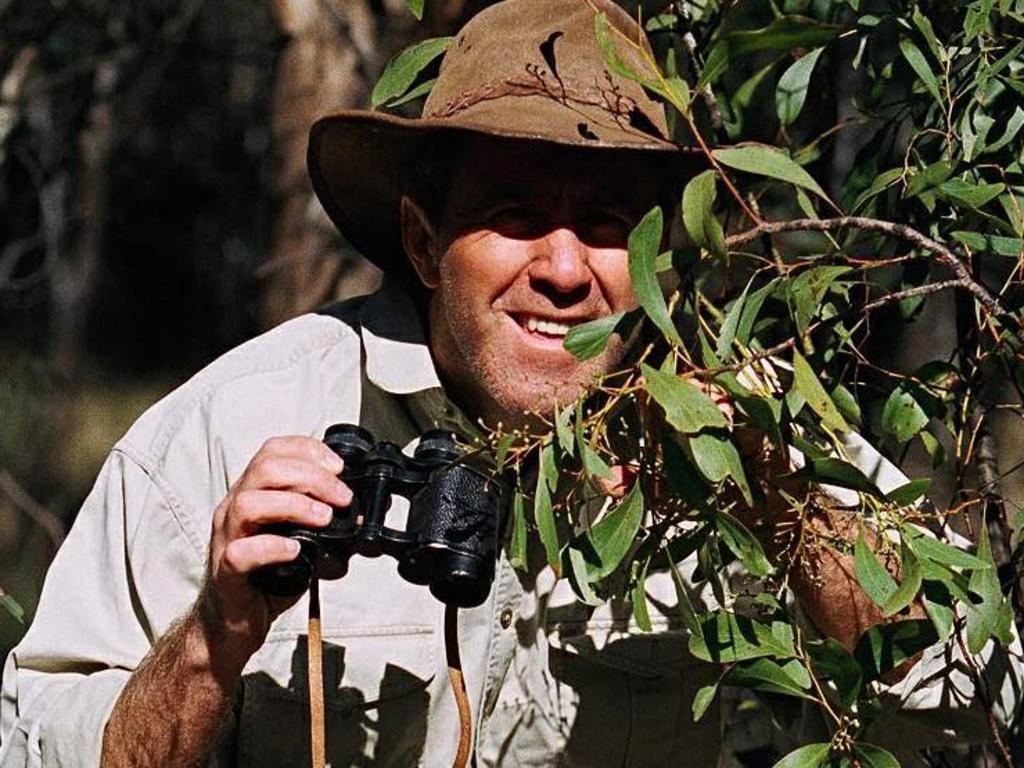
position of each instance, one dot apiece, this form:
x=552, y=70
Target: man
x=150, y=646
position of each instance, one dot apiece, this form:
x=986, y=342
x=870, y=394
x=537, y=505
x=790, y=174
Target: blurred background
x=155, y=211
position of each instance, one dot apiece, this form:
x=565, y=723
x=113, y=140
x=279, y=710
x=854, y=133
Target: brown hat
x=520, y=69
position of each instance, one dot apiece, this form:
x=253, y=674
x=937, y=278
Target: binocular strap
x=315, y=672
x=451, y=647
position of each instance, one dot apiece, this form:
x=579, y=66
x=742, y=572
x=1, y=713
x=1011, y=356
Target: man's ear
x=419, y=238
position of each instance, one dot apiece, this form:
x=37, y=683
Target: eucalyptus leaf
x=871, y=756
x=809, y=756
x=920, y=65
x=910, y=584
x=416, y=6
x=791, y=91
x=687, y=408
x=765, y=160
x=517, y=543
x=644, y=243
x=903, y=417
x=743, y=544
x=765, y=675
x=886, y=646
x=808, y=385
x=589, y=339
x=727, y=637
x=613, y=535
x=402, y=71
x=702, y=700
x=873, y=578
x=543, y=514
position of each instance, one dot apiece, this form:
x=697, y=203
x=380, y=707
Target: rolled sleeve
x=91, y=629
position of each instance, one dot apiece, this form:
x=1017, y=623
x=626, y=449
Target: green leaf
x=727, y=333
x=743, y=544
x=983, y=617
x=926, y=547
x=969, y=194
x=517, y=544
x=809, y=288
x=909, y=586
x=807, y=384
x=832, y=660
x=902, y=417
x=564, y=434
x=543, y=514
x=909, y=493
x=416, y=6
x=588, y=340
x=874, y=579
x=752, y=309
x=1013, y=126
x=686, y=612
x=938, y=604
x=698, y=214
x=834, y=471
x=920, y=65
x=612, y=536
x=871, y=756
x=1004, y=246
x=609, y=49
x=686, y=407
x=764, y=675
x=886, y=646
x=420, y=90
x=638, y=596
x=717, y=458
x=402, y=71
x=12, y=607
x=725, y=637
x=765, y=160
x=846, y=403
x=810, y=756
x=644, y=242
x=791, y=90
x=702, y=700
x=579, y=576
x=924, y=24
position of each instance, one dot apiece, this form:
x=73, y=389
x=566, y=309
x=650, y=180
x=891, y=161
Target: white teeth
x=547, y=327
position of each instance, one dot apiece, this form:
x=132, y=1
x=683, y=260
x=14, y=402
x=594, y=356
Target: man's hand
x=290, y=480
x=172, y=708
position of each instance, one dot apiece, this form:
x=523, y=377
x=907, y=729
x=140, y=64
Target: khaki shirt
x=550, y=680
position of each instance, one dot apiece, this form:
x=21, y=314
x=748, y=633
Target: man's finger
x=254, y=508
x=302, y=476
x=245, y=555
x=302, y=447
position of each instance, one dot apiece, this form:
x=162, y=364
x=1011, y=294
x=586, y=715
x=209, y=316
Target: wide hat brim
x=360, y=161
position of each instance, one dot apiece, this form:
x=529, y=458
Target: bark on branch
x=942, y=253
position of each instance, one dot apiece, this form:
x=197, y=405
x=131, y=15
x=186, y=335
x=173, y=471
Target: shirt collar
x=398, y=358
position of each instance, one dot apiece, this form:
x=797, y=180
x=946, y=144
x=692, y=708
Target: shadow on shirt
x=273, y=719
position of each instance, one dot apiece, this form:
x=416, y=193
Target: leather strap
x=451, y=646
x=315, y=655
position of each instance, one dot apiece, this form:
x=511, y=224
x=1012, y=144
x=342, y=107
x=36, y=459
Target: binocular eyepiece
x=456, y=513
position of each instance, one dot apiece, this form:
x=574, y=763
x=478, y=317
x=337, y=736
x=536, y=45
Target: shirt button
x=506, y=618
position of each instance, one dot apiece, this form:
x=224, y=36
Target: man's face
x=531, y=242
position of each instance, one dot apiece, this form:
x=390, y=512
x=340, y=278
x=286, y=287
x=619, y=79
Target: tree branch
x=943, y=254
x=32, y=509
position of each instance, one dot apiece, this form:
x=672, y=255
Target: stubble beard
x=493, y=386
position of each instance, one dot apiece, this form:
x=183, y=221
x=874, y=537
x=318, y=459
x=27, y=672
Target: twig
x=32, y=509
x=942, y=253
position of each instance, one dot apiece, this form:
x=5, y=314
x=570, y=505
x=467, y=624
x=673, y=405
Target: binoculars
x=456, y=513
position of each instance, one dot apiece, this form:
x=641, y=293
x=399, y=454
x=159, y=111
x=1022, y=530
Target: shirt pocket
x=375, y=698
x=620, y=696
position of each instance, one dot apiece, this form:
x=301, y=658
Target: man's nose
x=561, y=265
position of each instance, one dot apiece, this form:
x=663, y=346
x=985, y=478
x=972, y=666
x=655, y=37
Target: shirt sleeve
x=92, y=628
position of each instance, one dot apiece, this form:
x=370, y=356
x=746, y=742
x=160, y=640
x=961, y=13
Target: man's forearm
x=172, y=709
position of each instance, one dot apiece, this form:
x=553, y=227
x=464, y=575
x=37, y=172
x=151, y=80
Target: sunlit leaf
x=726, y=637
x=402, y=71
x=765, y=675
x=613, y=535
x=743, y=544
x=644, y=243
x=873, y=578
x=517, y=543
x=871, y=756
x=910, y=584
x=416, y=6
x=807, y=384
x=903, y=417
x=791, y=90
x=765, y=160
x=698, y=216
x=809, y=756
x=543, y=514
x=886, y=646
x=588, y=340
x=686, y=407
x=920, y=65
x=702, y=700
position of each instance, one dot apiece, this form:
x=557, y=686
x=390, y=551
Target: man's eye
x=608, y=229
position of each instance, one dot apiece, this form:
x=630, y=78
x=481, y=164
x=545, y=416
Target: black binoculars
x=456, y=513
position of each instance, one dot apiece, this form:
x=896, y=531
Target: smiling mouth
x=545, y=328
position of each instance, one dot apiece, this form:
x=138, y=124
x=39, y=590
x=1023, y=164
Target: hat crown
x=547, y=48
